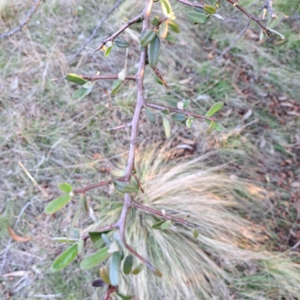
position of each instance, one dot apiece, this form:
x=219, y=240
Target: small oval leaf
x=179, y=117
x=75, y=78
x=174, y=26
x=65, y=187
x=57, y=204
x=127, y=265
x=114, y=268
x=157, y=224
x=210, y=10
x=95, y=259
x=215, y=108
x=167, y=126
x=137, y=269
x=195, y=233
x=153, y=52
x=123, y=187
x=65, y=258
x=121, y=43
x=150, y=115
x=166, y=225
x=104, y=274
x=163, y=29
x=116, y=87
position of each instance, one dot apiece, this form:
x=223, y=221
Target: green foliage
x=65, y=258
x=95, y=259
x=57, y=204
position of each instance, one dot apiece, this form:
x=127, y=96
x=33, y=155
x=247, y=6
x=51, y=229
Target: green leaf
x=128, y=263
x=155, y=21
x=116, y=87
x=213, y=125
x=186, y=103
x=65, y=258
x=195, y=233
x=163, y=29
x=123, y=187
x=189, y=122
x=218, y=126
x=104, y=274
x=64, y=240
x=80, y=93
x=179, y=117
x=75, y=78
x=106, y=240
x=174, y=26
x=124, y=297
x=158, y=224
x=278, y=33
x=166, y=225
x=57, y=204
x=97, y=235
x=95, y=259
x=147, y=37
x=197, y=17
x=157, y=273
x=80, y=246
x=167, y=126
x=209, y=9
x=171, y=38
x=121, y=43
x=137, y=269
x=215, y=108
x=65, y=187
x=166, y=7
x=153, y=52
x=107, y=51
x=276, y=21
x=114, y=268
x=150, y=115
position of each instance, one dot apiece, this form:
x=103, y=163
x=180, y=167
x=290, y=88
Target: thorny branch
x=140, y=103
x=117, y=33
x=27, y=19
x=265, y=29
x=176, y=110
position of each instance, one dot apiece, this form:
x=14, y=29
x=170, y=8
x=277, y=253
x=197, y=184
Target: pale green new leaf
x=65, y=258
x=95, y=259
x=214, y=109
x=65, y=187
x=57, y=204
x=167, y=126
x=114, y=268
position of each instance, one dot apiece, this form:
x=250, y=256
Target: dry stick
x=27, y=19
x=233, y=42
x=79, y=50
x=164, y=216
x=117, y=33
x=106, y=77
x=268, y=32
x=191, y=4
x=96, y=185
x=171, y=109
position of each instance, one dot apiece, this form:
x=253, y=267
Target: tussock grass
x=228, y=258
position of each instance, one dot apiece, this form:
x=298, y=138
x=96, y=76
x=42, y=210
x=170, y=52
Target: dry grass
x=57, y=139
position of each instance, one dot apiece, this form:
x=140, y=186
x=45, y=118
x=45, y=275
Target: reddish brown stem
x=96, y=185
x=171, y=109
x=117, y=33
x=160, y=214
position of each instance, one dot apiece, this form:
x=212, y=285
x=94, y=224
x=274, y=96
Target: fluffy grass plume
x=226, y=260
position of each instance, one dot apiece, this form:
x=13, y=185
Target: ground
x=47, y=137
